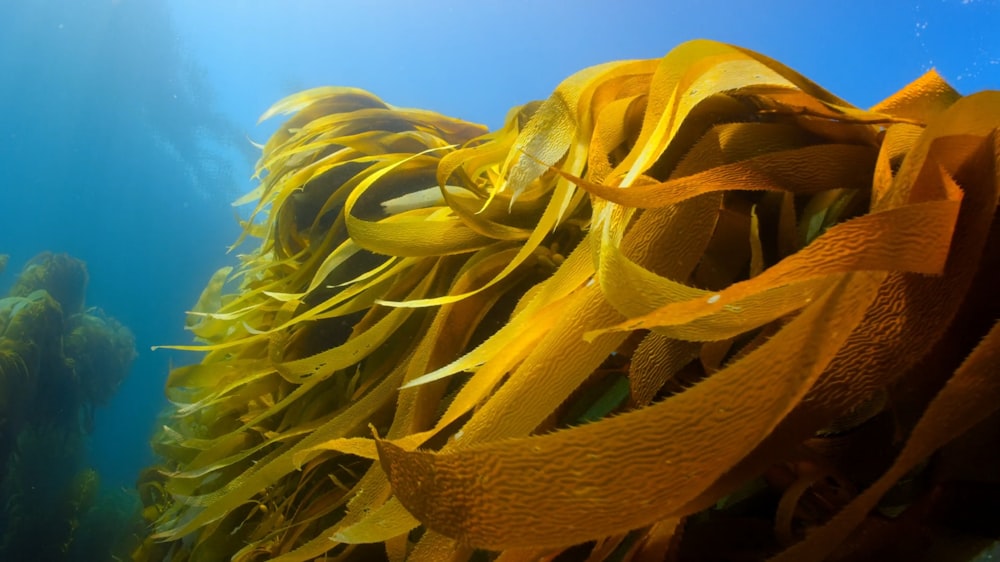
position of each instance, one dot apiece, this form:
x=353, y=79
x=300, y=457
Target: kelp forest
x=695, y=308
x=59, y=359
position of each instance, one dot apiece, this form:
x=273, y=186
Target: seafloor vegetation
x=58, y=361
x=696, y=308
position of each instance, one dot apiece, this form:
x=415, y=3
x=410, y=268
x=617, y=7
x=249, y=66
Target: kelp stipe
x=428, y=353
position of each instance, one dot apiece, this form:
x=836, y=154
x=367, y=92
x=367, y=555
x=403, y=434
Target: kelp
x=663, y=313
x=60, y=275
x=58, y=362
x=101, y=351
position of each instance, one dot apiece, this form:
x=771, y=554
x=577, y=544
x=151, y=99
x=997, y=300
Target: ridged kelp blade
x=598, y=479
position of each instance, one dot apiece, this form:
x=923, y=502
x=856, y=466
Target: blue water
x=125, y=125
x=105, y=135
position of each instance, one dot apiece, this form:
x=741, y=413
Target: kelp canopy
x=690, y=308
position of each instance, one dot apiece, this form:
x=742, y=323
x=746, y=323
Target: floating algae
x=428, y=352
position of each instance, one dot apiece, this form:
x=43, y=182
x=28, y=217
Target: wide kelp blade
x=607, y=484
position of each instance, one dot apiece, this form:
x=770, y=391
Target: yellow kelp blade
x=688, y=75
x=199, y=320
x=548, y=137
x=217, y=504
x=368, y=521
x=351, y=98
x=554, y=127
x=419, y=232
x=574, y=273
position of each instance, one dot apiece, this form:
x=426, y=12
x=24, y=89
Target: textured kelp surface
x=694, y=308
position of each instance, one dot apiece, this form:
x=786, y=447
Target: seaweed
x=57, y=363
x=672, y=311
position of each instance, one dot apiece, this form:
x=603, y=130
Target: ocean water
x=126, y=125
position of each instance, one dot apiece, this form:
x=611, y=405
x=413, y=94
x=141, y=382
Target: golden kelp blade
x=198, y=320
x=345, y=98
x=618, y=322
x=922, y=100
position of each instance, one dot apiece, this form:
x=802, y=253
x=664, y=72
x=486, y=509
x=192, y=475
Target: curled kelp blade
x=690, y=75
x=914, y=238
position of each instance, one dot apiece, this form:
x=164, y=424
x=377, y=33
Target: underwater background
x=126, y=126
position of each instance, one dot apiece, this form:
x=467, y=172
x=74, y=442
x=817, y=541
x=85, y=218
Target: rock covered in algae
x=662, y=313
